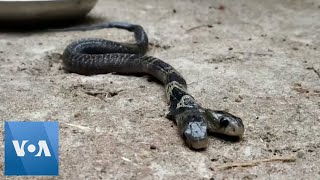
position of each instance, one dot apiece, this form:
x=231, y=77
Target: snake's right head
x=224, y=123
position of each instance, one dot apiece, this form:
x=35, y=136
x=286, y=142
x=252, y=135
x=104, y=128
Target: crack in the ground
x=316, y=71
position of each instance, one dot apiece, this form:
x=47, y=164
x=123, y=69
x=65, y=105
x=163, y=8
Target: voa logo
x=31, y=148
x=42, y=148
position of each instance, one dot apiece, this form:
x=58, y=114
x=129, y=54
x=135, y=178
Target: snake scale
x=97, y=56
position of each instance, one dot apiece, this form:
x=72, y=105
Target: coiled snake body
x=96, y=56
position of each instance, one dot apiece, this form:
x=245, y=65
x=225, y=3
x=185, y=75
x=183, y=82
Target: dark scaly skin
x=96, y=56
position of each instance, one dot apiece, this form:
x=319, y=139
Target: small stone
x=300, y=154
x=214, y=159
x=76, y=115
x=221, y=7
x=267, y=128
x=250, y=177
x=152, y=146
x=230, y=49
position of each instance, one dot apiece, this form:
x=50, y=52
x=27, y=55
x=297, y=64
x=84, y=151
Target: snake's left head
x=195, y=133
x=193, y=127
x=224, y=123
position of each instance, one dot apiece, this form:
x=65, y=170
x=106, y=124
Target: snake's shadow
x=222, y=137
x=149, y=78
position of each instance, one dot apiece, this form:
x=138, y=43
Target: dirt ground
x=257, y=59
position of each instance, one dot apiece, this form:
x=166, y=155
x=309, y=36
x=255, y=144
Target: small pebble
x=153, y=146
x=214, y=159
x=267, y=128
x=221, y=7
x=76, y=115
x=225, y=98
x=300, y=154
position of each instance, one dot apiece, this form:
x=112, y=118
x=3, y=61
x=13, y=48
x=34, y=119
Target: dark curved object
x=96, y=56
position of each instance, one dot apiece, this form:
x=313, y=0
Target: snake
x=91, y=56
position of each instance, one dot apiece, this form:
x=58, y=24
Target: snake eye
x=224, y=122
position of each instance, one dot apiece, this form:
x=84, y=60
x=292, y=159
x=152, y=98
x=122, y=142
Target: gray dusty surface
x=257, y=59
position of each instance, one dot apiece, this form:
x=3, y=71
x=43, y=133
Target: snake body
x=97, y=56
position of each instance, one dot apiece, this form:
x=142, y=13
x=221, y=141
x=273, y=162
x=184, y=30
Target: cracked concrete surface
x=257, y=59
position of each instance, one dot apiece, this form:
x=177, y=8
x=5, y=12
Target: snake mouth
x=197, y=143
